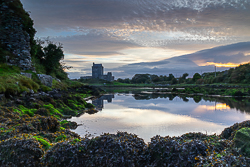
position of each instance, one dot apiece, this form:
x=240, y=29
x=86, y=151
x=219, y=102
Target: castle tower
x=97, y=71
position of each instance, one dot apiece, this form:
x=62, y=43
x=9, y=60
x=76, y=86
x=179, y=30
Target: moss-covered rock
x=242, y=140
x=68, y=124
x=229, y=133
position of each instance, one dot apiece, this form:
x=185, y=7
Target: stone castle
x=97, y=73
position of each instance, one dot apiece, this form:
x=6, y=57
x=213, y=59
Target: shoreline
x=49, y=135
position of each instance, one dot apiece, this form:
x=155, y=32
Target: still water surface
x=150, y=115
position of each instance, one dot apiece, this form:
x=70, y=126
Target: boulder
x=45, y=79
x=242, y=140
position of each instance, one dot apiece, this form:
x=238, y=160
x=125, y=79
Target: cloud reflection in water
x=159, y=116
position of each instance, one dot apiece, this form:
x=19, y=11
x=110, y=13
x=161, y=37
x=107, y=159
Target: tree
x=119, y=80
x=196, y=77
x=52, y=56
x=174, y=81
x=155, y=78
x=48, y=59
x=126, y=80
x=170, y=77
x=184, y=76
x=141, y=78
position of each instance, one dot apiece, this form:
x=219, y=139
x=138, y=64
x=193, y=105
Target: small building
x=97, y=73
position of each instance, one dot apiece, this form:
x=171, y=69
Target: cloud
x=210, y=20
x=238, y=53
x=108, y=30
x=93, y=44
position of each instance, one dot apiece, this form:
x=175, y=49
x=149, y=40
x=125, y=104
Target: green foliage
x=59, y=85
x=7, y=70
x=174, y=81
x=237, y=75
x=47, y=59
x=45, y=88
x=73, y=84
x=141, y=78
x=196, y=77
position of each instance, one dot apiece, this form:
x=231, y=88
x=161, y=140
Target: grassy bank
x=12, y=82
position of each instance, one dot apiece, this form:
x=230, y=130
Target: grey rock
x=18, y=101
x=31, y=91
x=35, y=95
x=45, y=79
x=43, y=94
x=32, y=99
x=57, y=95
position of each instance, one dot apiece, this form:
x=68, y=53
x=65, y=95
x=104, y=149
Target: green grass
x=12, y=82
x=59, y=85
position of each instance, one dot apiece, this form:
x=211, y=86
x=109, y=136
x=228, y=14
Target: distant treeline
x=239, y=74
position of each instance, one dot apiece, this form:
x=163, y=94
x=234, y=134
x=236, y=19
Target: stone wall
x=13, y=36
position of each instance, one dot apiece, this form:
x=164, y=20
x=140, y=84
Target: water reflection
x=164, y=114
x=98, y=103
x=240, y=104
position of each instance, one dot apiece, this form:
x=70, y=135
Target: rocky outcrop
x=45, y=79
x=16, y=33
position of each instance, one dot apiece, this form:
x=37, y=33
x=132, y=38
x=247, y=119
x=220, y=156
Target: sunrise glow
x=223, y=64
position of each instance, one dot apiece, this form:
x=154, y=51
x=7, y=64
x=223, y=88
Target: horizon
x=143, y=36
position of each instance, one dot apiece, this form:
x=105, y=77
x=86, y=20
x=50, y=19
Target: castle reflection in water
x=98, y=103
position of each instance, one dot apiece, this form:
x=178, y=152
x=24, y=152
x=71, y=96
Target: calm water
x=149, y=115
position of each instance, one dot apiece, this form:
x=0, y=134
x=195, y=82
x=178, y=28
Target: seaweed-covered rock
x=43, y=112
x=68, y=124
x=20, y=152
x=224, y=158
x=46, y=124
x=122, y=149
x=229, y=133
x=242, y=140
x=167, y=151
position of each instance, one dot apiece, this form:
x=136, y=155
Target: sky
x=146, y=36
